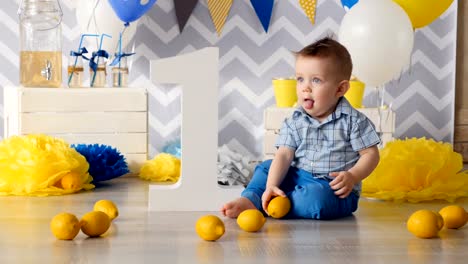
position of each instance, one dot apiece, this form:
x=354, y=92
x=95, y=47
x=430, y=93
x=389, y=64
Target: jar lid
x=40, y=15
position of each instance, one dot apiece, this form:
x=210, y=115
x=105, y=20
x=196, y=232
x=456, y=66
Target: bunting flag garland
x=184, y=9
x=263, y=8
x=347, y=4
x=219, y=10
x=309, y=7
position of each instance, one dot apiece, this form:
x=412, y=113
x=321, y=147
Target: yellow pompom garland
x=162, y=168
x=416, y=170
x=35, y=164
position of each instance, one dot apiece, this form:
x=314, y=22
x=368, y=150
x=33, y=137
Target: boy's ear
x=343, y=87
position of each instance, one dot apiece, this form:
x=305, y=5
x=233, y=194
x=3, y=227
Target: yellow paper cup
x=355, y=93
x=285, y=92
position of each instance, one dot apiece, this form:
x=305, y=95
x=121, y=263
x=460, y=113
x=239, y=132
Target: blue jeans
x=310, y=197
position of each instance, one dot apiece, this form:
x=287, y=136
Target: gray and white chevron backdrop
x=423, y=97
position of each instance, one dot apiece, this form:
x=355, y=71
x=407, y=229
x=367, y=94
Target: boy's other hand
x=343, y=183
x=270, y=192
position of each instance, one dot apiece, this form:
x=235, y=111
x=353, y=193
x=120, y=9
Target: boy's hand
x=343, y=183
x=269, y=193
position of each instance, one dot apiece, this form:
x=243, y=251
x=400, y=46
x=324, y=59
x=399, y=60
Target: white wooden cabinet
x=112, y=116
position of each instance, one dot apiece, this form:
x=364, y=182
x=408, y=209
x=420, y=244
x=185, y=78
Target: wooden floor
x=376, y=234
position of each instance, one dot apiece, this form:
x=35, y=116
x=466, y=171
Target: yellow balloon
x=424, y=12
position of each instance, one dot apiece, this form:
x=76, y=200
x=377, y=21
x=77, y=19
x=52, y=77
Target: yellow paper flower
x=162, y=168
x=415, y=170
x=35, y=164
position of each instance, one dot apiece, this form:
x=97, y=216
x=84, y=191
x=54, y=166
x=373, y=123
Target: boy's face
x=318, y=86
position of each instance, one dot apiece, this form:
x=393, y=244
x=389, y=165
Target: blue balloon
x=130, y=10
x=349, y=3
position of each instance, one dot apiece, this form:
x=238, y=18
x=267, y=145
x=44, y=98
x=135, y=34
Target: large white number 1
x=197, y=189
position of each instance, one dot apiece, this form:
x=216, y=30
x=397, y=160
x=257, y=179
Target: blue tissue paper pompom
x=173, y=148
x=105, y=162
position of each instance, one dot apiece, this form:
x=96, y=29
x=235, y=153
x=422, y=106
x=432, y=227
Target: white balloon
x=379, y=36
x=104, y=21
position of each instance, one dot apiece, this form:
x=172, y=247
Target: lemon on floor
x=251, y=220
x=210, y=227
x=454, y=216
x=65, y=226
x=108, y=207
x=425, y=223
x=95, y=223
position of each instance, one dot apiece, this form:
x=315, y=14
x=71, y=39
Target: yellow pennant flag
x=309, y=7
x=219, y=10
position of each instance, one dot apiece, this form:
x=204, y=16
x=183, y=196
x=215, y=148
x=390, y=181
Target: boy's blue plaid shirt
x=332, y=145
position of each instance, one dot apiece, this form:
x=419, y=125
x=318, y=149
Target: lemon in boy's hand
x=95, y=223
x=107, y=207
x=454, y=216
x=71, y=181
x=65, y=226
x=279, y=206
x=251, y=220
x=424, y=223
x=209, y=227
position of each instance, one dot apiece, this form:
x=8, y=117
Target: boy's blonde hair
x=330, y=48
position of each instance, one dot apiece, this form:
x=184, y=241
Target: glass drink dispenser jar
x=40, y=43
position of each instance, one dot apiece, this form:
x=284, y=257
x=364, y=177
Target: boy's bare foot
x=233, y=208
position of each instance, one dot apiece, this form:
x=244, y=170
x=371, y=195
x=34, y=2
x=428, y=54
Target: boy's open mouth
x=308, y=103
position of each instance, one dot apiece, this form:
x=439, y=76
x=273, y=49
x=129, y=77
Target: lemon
x=95, y=223
x=209, y=227
x=251, y=220
x=440, y=221
x=71, y=181
x=424, y=224
x=454, y=216
x=65, y=226
x=279, y=207
x=107, y=207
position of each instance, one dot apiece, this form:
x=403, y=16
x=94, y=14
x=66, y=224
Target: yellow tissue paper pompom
x=416, y=170
x=162, y=168
x=35, y=165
